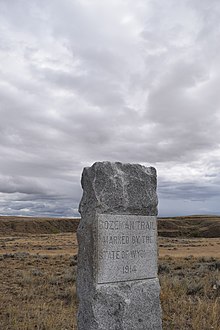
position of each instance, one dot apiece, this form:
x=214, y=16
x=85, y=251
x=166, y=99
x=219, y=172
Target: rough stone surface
x=111, y=190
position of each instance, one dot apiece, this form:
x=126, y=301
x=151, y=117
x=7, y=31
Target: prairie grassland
x=190, y=293
x=37, y=292
x=183, y=247
x=38, y=282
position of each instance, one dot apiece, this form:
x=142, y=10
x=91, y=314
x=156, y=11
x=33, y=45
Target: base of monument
x=125, y=306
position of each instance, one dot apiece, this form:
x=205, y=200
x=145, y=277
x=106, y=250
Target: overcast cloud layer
x=121, y=80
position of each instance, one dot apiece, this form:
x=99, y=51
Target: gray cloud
x=84, y=81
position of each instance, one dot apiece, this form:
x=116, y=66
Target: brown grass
x=11, y=225
x=190, y=293
x=187, y=226
x=183, y=247
x=190, y=226
x=38, y=282
x=37, y=292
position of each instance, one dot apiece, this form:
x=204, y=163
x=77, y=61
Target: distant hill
x=10, y=225
x=184, y=226
x=190, y=226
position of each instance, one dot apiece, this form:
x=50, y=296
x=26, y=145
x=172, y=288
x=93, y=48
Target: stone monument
x=117, y=282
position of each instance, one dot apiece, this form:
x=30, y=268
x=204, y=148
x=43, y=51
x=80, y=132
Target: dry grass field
x=38, y=271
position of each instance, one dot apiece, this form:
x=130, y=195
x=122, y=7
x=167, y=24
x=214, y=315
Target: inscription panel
x=126, y=248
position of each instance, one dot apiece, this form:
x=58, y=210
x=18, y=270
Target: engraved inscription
x=127, y=247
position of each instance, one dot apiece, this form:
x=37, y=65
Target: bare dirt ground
x=38, y=273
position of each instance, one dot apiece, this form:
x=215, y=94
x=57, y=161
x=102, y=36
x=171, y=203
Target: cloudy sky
x=121, y=80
